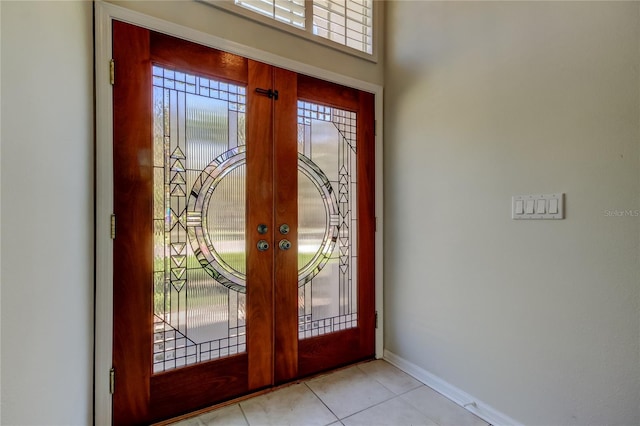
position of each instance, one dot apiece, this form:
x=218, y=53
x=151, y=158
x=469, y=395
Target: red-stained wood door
x=244, y=201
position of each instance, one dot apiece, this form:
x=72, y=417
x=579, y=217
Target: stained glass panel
x=327, y=223
x=199, y=231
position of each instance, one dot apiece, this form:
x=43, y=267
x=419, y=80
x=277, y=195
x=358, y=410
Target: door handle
x=263, y=245
x=284, y=244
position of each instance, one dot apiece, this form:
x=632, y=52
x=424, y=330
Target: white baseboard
x=463, y=399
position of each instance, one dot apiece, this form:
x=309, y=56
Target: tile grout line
x=357, y=412
x=420, y=384
x=244, y=414
x=394, y=395
x=323, y=403
x=387, y=388
x=374, y=405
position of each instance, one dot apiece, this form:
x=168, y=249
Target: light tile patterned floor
x=369, y=394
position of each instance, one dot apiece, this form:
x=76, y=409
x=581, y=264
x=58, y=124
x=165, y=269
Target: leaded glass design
x=327, y=220
x=199, y=219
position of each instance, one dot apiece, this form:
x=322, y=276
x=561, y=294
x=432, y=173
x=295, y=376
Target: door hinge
x=375, y=127
x=112, y=381
x=113, y=226
x=376, y=319
x=112, y=72
x=271, y=94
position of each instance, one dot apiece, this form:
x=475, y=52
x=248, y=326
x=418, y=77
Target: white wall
x=538, y=319
x=47, y=213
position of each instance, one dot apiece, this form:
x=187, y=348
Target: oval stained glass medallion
x=219, y=242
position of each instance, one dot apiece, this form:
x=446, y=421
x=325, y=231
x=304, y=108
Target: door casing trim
x=105, y=13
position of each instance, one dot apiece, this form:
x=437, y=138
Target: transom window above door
x=339, y=23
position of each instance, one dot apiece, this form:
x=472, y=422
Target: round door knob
x=285, y=244
x=263, y=245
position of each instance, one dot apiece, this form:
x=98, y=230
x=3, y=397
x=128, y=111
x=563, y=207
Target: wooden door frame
x=105, y=13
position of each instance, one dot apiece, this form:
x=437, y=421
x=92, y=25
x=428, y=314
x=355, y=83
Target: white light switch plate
x=538, y=206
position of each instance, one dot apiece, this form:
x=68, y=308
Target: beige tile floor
x=369, y=394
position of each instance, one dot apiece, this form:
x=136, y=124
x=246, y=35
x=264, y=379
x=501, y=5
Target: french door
x=244, y=201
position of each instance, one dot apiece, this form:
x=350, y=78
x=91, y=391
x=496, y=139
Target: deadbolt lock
x=284, y=229
x=262, y=229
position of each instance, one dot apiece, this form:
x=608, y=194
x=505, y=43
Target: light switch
x=529, y=207
x=537, y=206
